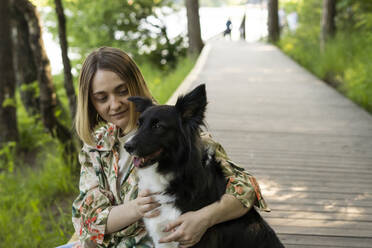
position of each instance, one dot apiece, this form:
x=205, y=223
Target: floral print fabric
x=99, y=191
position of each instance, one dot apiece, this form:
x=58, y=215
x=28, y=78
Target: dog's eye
x=156, y=125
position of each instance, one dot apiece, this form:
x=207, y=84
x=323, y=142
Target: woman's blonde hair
x=117, y=61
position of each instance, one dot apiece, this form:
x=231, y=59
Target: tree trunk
x=44, y=76
x=273, y=21
x=69, y=85
x=24, y=64
x=8, y=117
x=328, y=22
x=193, y=27
x=48, y=99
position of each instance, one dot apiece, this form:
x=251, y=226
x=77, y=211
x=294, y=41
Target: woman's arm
x=191, y=226
x=242, y=193
x=94, y=215
x=228, y=208
x=126, y=214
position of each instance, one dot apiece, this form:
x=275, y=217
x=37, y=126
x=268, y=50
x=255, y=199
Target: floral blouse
x=99, y=191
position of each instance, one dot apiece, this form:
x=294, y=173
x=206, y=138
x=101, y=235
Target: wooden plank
x=351, y=172
x=322, y=198
x=310, y=158
x=314, y=246
x=321, y=205
x=294, y=180
x=325, y=186
x=328, y=216
x=318, y=156
x=328, y=241
x=318, y=178
x=297, y=228
x=320, y=209
x=357, y=226
x=307, y=168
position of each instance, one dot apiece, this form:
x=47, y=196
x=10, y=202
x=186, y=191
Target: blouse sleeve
x=240, y=183
x=91, y=208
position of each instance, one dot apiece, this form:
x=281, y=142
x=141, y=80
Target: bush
x=32, y=211
x=347, y=58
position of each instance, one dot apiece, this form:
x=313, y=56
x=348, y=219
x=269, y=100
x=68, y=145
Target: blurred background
x=44, y=42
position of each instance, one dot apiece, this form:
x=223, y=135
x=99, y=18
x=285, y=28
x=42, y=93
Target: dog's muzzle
x=151, y=159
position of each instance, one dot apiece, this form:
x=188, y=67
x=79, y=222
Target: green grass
x=345, y=62
x=162, y=85
x=37, y=188
x=32, y=210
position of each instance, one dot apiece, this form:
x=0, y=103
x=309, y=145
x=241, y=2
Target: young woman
x=109, y=209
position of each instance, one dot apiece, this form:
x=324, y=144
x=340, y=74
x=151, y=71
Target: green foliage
x=9, y=102
x=32, y=87
x=347, y=58
x=31, y=211
x=211, y=3
x=7, y=156
x=131, y=25
x=219, y=3
x=163, y=85
x=358, y=75
x=31, y=131
x=354, y=15
x=289, y=6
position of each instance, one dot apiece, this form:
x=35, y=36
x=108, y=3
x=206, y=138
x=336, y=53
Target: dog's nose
x=129, y=147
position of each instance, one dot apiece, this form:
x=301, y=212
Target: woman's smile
x=119, y=115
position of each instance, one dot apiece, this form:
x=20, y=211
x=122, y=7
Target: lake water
x=212, y=22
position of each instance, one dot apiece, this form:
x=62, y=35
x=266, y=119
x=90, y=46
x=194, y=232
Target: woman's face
x=109, y=95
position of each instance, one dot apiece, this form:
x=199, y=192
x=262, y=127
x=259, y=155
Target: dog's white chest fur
x=151, y=180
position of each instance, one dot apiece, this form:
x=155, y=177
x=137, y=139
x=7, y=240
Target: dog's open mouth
x=141, y=162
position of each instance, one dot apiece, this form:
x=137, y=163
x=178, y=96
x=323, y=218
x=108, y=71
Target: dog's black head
x=166, y=133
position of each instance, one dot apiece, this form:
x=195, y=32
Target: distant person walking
x=228, y=28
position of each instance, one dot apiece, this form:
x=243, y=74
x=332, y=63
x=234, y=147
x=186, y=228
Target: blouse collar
x=106, y=137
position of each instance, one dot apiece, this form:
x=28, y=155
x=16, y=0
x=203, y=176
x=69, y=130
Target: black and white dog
x=171, y=159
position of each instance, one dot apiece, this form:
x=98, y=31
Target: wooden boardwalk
x=309, y=147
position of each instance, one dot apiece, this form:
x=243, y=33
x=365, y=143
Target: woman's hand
x=146, y=205
x=187, y=229
x=126, y=214
x=190, y=227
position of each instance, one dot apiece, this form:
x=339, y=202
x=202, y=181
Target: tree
x=24, y=64
x=193, y=27
x=273, y=21
x=328, y=21
x=48, y=97
x=8, y=118
x=128, y=25
x=69, y=86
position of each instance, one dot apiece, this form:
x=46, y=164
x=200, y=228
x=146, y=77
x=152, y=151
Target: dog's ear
x=141, y=103
x=192, y=106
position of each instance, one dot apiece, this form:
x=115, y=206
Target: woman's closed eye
x=101, y=98
x=123, y=92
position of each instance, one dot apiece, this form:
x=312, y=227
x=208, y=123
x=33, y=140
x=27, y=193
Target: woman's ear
x=141, y=103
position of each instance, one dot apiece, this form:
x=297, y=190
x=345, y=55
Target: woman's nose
x=115, y=103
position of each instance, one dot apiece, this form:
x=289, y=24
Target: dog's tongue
x=137, y=161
